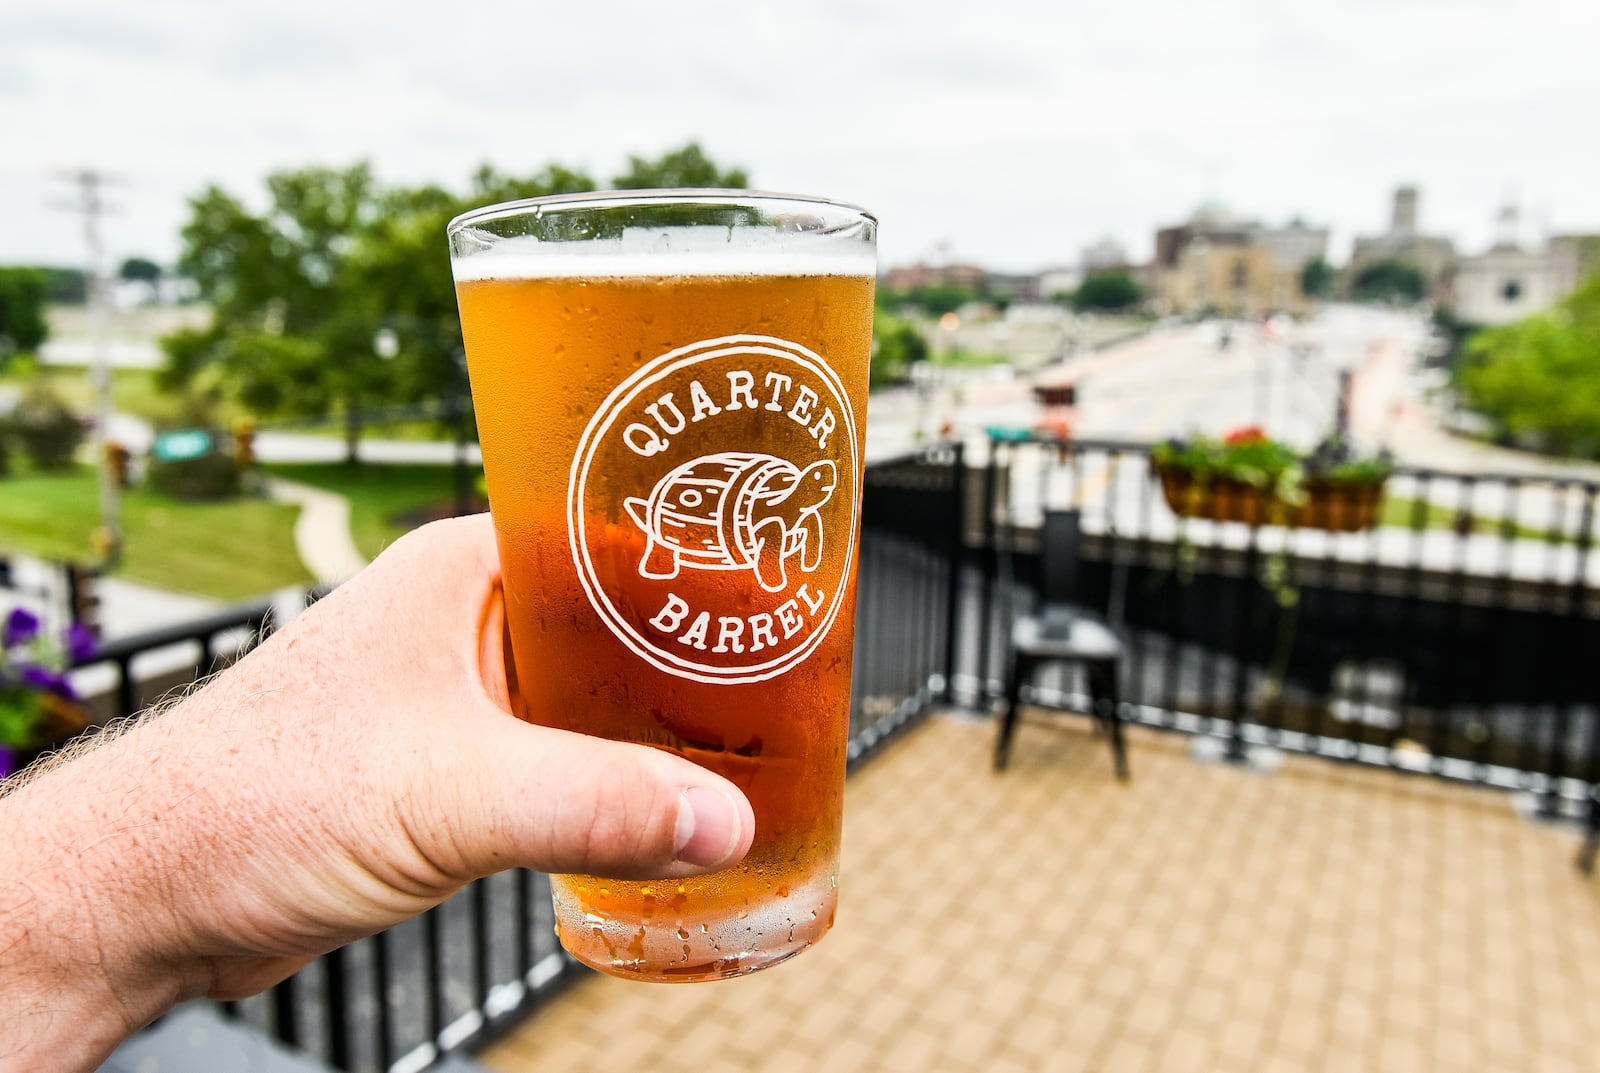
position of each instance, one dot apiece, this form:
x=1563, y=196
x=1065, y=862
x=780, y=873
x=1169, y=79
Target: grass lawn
x=380, y=496
x=228, y=551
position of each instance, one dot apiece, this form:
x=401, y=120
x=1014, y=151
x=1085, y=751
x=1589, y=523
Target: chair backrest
x=1059, y=546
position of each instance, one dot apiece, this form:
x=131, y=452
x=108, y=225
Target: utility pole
x=90, y=202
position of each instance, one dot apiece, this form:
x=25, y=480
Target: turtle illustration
x=734, y=510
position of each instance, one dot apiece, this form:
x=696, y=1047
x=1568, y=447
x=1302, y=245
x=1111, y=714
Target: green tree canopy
x=1389, y=280
x=139, y=268
x=1107, y=291
x=65, y=286
x=302, y=287
x=1316, y=278
x=686, y=167
x=1541, y=376
x=936, y=299
x=896, y=346
x=22, y=299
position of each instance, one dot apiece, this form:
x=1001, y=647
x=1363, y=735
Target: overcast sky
x=1008, y=132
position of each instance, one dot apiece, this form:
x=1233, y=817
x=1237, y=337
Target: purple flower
x=8, y=761
x=79, y=641
x=50, y=681
x=21, y=627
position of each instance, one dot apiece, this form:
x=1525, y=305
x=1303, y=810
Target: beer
x=673, y=450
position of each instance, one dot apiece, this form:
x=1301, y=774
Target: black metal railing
x=1451, y=638
x=467, y=970
x=150, y=665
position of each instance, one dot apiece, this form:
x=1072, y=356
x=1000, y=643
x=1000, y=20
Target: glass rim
x=664, y=196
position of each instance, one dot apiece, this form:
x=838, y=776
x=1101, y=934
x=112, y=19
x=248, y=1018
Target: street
x=1210, y=378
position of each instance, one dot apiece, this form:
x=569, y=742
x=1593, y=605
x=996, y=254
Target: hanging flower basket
x=1338, y=506
x=1249, y=478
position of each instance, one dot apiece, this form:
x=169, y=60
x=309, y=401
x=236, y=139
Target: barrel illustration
x=735, y=510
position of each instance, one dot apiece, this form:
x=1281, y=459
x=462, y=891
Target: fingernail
x=708, y=827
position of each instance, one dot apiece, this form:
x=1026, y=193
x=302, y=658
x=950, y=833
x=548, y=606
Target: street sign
x=182, y=444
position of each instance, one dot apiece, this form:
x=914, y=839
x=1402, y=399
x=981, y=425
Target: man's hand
x=356, y=769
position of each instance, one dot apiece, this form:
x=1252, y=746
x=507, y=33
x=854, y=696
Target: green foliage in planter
x=1248, y=456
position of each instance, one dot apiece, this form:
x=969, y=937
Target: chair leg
x=1106, y=694
x=1017, y=672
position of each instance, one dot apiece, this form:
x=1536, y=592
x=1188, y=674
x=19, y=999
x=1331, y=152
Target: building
x=1434, y=256
x=1107, y=255
x=1511, y=280
x=1052, y=283
x=917, y=276
x=1219, y=261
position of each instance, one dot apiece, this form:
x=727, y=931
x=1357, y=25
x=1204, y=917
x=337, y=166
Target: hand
x=356, y=769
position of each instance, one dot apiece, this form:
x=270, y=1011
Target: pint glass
x=671, y=396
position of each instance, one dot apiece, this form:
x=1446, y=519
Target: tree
x=22, y=298
x=65, y=286
x=1316, y=278
x=292, y=331
x=1389, y=281
x=686, y=167
x=1538, y=378
x=491, y=187
x=1110, y=291
x=896, y=346
x=141, y=270
x=301, y=290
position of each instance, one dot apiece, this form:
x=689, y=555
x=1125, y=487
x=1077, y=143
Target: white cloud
x=1016, y=131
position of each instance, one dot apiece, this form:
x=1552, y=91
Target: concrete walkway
x=322, y=531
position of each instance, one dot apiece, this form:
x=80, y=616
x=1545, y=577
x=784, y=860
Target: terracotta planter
x=1338, y=506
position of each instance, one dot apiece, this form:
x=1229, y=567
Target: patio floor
x=1320, y=918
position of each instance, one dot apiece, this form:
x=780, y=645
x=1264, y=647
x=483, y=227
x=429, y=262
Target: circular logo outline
x=596, y=431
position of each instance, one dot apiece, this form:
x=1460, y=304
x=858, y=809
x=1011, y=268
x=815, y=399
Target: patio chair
x=1063, y=632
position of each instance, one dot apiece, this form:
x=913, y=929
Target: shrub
x=46, y=429
x=211, y=476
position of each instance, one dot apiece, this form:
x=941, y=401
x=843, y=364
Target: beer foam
x=656, y=254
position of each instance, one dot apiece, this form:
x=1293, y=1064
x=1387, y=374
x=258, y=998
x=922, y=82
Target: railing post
x=1243, y=635
x=1577, y=623
x=956, y=561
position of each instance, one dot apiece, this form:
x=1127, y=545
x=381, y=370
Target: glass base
x=690, y=947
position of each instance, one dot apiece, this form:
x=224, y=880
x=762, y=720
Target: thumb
x=558, y=801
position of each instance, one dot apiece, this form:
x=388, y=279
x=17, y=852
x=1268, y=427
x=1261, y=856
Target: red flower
x=1247, y=434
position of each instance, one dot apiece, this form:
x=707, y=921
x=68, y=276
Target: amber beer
x=672, y=433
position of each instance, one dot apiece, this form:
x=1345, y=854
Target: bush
x=22, y=298
x=211, y=476
x=45, y=429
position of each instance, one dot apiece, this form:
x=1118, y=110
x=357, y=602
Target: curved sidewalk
x=322, y=531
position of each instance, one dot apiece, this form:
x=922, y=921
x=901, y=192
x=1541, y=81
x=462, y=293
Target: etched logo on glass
x=711, y=507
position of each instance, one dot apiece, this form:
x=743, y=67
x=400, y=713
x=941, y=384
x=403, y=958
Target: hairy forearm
x=79, y=904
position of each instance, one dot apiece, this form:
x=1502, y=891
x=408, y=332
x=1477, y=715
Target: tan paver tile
x=1326, y=919
x=914, y=1051
x=1401, y=1054
x=1126, y=1054
x=1088, y=1026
